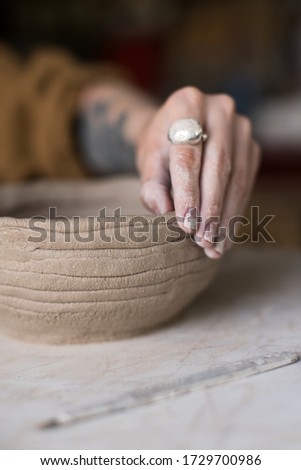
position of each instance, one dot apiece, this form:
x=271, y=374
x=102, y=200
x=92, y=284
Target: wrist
x=113, y=118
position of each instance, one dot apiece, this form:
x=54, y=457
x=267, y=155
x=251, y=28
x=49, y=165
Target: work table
x=251, y=309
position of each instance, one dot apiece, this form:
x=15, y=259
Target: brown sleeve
x=37, y=108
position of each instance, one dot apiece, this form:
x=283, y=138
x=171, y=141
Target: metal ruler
x=173, y=388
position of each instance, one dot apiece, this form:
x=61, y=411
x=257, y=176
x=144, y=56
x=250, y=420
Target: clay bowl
x=72, y=275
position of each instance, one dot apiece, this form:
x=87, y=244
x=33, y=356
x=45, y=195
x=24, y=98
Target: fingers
x=238, y=183
x=185, y=162
x=155, y=189
x=185, y=166
x=153, y=166
x=155, y=195
x=237, y=199
x=216, y=169
x=179, y=164
x=254, y=164
x=210, y=182
x=245, y=163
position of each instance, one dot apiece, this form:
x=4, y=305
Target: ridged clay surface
x=60, y=289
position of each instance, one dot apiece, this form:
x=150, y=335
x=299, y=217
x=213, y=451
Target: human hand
x=212, y=180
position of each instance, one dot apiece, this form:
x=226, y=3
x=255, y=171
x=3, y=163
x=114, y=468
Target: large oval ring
x=186, y=131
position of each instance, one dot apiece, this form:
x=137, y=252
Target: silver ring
x=186, y=131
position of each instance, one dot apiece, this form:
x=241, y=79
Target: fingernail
x=190, y=220
x=223, y=246
x=210, y=232
x=212, y=253
x=161, y=207
x=220, y=247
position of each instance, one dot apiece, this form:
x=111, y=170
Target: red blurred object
x=282, y=162
x=140, y=55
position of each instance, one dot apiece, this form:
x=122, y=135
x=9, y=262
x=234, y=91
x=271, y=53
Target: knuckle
x=227, y=103
x=245, y=126
x=214, y=210
x=192, y=94
x=222, y=162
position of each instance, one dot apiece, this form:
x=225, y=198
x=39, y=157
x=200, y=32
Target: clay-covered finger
x=216, y=169
x=185, y=165
x=240, y=182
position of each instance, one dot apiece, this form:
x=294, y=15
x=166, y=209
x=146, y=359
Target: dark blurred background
x=250, y=49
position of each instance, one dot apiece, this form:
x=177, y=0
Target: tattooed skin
x=102, y=143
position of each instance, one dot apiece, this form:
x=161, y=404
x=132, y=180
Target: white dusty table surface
x=252, y=308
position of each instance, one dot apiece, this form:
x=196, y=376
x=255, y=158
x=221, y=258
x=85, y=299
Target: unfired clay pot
x=82, y=279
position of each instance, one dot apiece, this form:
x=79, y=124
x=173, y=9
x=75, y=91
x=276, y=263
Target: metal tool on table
x=173, y=388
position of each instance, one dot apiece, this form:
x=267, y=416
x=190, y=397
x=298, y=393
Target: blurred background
x=250, y=49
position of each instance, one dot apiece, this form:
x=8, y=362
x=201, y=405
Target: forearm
x=110, y=120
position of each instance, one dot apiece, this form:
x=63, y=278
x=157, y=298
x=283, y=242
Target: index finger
x=185, y=162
